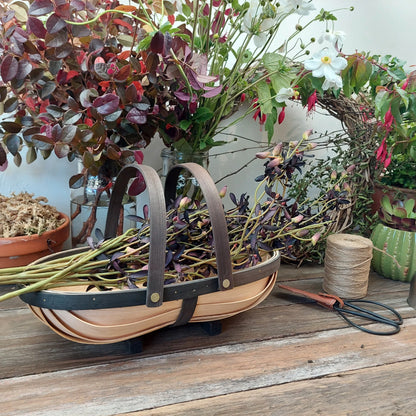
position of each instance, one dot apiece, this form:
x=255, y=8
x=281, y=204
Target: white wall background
x=379, y=26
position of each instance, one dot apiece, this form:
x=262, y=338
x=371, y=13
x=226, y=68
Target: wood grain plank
x=29, y=347
x=144, y=383
x=377, y=391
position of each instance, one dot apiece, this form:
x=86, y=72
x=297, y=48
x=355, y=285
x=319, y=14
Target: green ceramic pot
x=399, y=244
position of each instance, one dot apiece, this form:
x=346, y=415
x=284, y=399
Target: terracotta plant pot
x=22, y=250
x=393, y=192
x=399, y=244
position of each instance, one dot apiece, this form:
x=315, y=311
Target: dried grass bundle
x=22, y=214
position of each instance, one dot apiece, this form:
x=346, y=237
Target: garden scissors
x=349, y=307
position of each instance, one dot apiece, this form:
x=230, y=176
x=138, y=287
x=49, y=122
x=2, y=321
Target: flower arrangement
x=272, y=222
x=97, y=80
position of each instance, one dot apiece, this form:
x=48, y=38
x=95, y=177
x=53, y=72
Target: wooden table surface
x=284, y=357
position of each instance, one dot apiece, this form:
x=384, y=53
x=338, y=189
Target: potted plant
x=29, y=229
x=395, y=240
x=78, y=92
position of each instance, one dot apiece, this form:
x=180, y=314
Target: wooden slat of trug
x=145, y=383
x=376, y=391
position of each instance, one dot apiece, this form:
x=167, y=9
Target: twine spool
x=347, y=265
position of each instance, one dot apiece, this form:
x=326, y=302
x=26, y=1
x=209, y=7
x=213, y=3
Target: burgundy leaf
x=137, y=186
x=57, y=39
x=146, y=211
x=85, y=97
x=68, y=133
x=54, y=23
x=62, y=150
x=35, y=26
x=9, y=68
x=157, y=42
x=193, y=80
x=183, y=96
x=106, y=104
x=152, y=62
x=3, y=159
x=40, y=8
x=212, y=91
x=24, y=69
x=19, y=35
x=137, y=116
x=11, y=126
x=56, y=132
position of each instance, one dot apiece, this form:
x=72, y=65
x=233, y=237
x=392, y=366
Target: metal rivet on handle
x=226, y=283
x=155, y=297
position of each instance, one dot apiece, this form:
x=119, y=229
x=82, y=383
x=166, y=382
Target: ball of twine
x=347, y=265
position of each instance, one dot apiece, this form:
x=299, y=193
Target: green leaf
x=31, y=155
x=279, y=81
x=184, y=124
x=17, y=159
x=269, y=125
x=265, y=99
x=386, y=204
x=404, y=96
x=409, y=205
x=382, y=102
x=203, y=114
x=361, y=74
x=272, y=61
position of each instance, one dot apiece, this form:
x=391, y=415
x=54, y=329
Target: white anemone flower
x=335, y=38
x=254, y=23
x=326, y=63
x=302, y=7
x=284, y=95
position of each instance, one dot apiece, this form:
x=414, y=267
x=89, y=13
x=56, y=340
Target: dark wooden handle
x=216, y=213
x=157, y=250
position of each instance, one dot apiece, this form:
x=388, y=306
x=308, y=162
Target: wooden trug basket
x=103, y=317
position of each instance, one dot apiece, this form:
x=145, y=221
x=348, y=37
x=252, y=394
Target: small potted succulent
x=395, y=240
x=29, y=229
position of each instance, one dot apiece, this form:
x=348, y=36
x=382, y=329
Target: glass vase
x=89, y=207
x=186, y=185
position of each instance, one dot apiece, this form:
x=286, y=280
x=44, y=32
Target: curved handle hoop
x=216, y=213
x=157, y=248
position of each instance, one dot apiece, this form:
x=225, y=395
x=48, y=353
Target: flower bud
x=333, y=175
x=306, y=134
x=302, y=233
x=315, y=238
x=293, y=143
x=277, y=149
x=275, y=162
x=346, y=187
x=311, y=146
x=262, y=155
x=337, y=188
x=298, y=27
x=350, y=168
x=297, y=219
x=185, y=201
x=223, y=191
